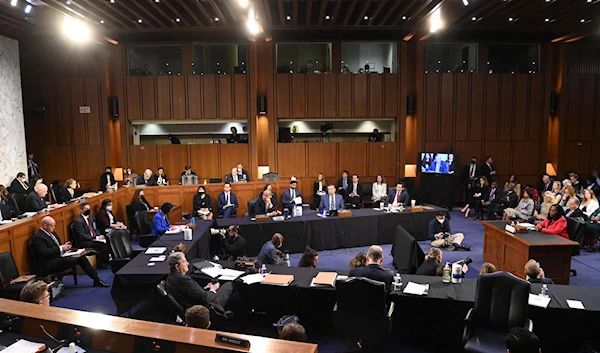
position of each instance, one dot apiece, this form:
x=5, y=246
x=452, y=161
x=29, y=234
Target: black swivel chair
x=120, y=247
x=362, y=300
x=144, y=228
x=131, y=219
x=251, y=204
x=501, y=303
x=575, y=229
x=55, y=275
x=15, y=202
x=8, y=272
x=72, y=236
x=367, y=194
x=176, y=312
x=7, y=211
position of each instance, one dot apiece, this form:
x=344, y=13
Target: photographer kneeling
x=232, y=244
x=441, y=234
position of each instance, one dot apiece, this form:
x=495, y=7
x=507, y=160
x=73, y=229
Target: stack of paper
x=324, y=279
x=24, y=346
x=254, y=278
x=160, y=258
x=529, y=226
x=155, y=250
x=278, y=280
x=178, y=229
x=538, y=300
x=73, y=253
x=575, y=304
x=416, y=289
x=223, y=274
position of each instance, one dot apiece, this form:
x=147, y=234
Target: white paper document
x=298, y=200
x=416, y=289
x=100, y=240
x=575, y=304
x=29, y=214
x=224, y=274
x=539, y=301
x=23, y=346
x=160, y=258
x=178, y=229
x=529, y=226
x=72, y=253
x=66, y=350
x=254, y=278
x=155, y=250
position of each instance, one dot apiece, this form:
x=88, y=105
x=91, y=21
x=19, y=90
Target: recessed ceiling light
x=473, y=18
x=28, y=8
x=288, y=18
x=68, y=3
x=327, y=17
x=582, y=20
x=510, y=19
x=589, y=1
x=547, y=20
x=466, y=2
x=139, y=20
x=102, y=21
x=14, y=2
x=366, y=18
x=112, y=1
x=216, y=19
x=156, y=0
x=404, y=18
x=177, y=20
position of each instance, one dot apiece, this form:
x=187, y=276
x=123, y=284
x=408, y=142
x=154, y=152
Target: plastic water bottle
x=397, y=281
x=544, y=291
x=263, y=270
x=446, y=273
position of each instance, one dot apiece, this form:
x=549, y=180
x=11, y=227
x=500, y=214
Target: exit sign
x=84, y=109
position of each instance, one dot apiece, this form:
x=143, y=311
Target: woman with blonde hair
x=556, y=191
x=433, y=260
x=487, y=268
x=547, y=202
x=569, y=192
x=589, y=204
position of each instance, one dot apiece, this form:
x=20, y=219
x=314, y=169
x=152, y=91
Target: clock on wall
x=295, y=129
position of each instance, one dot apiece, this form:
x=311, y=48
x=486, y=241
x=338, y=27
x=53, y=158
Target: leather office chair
x=72, y=236
x=362, y=300
x=145, y=236
x=367, y=194
x=17, y=202
x=189, y=179
x=131, y=219
x=55, y=275
x=8, y=272
x=176, y=312
x=270, y=177
x=501, y=303
x=7, y=211
x=575, y=229
x=251, y=204
x=120, y=247
x=218, y=316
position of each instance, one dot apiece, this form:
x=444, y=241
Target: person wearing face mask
x=441, y=235
x=202, y=204
x=160, y=222
x=19, y=185
x=233, y=243
x=139, y=202
x=242, y=173
x=270, y=253
x=107, y=180
x=106, y=220
x=86, y=235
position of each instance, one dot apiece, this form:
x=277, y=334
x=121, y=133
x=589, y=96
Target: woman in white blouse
x=380, y=188
x=589, y=203
x=319, y=189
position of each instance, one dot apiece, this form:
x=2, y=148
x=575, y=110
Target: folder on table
x=278, y=280
x=325, y=279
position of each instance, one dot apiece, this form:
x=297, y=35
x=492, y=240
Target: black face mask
x=87, y=212
x=142, y=197
x=201, y=193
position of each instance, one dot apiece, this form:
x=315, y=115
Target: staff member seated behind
x=227, y=202
x=373, y=270
x=290, y=195
x=35, y=201
x=197, y=316
x=47, y=249
x=331, y=201
x=535, y=274
x=85, y=234
x=441, y=234
x=264, y=205
x=36, y=293
x=203, y=204
x=160, y=222
x=555, y=224
x=269, y=253
x=187, y=292
x=147, y=179
x=433, y=260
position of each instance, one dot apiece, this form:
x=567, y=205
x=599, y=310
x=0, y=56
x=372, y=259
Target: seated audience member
x=233, y=243
x=139, y=202
x=487, y=268
x=47, y=249
x=147, y=179
x=343, y=183
x=517, y=187
x=331, y=201
x=319, y=189
x=227, y=202
x=438, y=166
x=373, y=270
x=398, y=196
x=441, y=235
x=35, y=293
x=174, y=140
x=269, y=253
x=360, y=260
x=19, y=185
x=355, y=192
x=479, y=191
x=129, y=176
x=197, y=316
x=203, y=204
x=234, y=137
x=577, y=186
x=524, y=209
x=380, y=189
x=107, y=180
x=310, y=258
x=233, y=177
x=160, y=222
x=555, y=224
x=375, y=136
x=589, y=204
x=242, y=173
x=592, y=185
x=265, y=206
x=161, y=178
x=105, y=218
x=433, y=260
x=568, y=193
x=273, y=194
x=187, y=171
x=547, y=202
x=35, y=201
x=85, y=234
x=546, y=184
x=509, y=199
x=489, y=201
x=535, y=274
x=187, y=292
x=592, y=231
x=533, y=193
x=521, y=340
x=289, y=195
x=557, y=191
x=67, y=192
x=293, y=332
x=35, y=180
x=573, y=209
x=3, y=195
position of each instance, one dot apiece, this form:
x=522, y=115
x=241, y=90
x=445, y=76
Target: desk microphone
x=61, y=343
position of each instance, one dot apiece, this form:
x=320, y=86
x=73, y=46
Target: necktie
x=266, y=207
x=437, y=167
x=51, y=235
x=227, y=197
x=472, y=171
x=331, y=203
x=293, y=194
x=235, y=178
x=345, y=183
x=92, y=231
x=397, y=197
x=492, y=194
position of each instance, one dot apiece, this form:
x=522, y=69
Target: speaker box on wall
x=553, y=102
x=114, y=106
x=262, y=105
x=410, y=104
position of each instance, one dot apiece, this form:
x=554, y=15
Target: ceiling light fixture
x=327, y=17
x=28, y=8
x=102, y=21
x=288, y=18
x=156, y=0
x=216, y=19
x=68, y=3
x=112, y=1
x=582, y=20
x=177, y=20
x=436, y=21
x=510, y=19
x=75, y=30
x=404, y=18
x=466, y=2
x=366, y=18
x=139, y=20
x=547, y=20
x=243, y=3
x=473, y=18
x=14, y=2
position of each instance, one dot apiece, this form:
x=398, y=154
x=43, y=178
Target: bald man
x=36, y=201
x=265, y=206
x=48, y=250
x=147, y=179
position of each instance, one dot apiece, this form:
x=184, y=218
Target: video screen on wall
x=438, y=163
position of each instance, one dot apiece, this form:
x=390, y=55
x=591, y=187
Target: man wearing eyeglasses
x=36, y=293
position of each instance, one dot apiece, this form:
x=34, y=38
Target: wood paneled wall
x=336, y=95
x=187, y=97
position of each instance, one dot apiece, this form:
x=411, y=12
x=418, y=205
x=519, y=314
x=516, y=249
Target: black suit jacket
x=81, y=230
x=428, y=268
x=34, y=203
x=186, y=291
x=404, y=197
x=510, y=199
x=576, y=213
x=485, y=171
x=64, y=195
x=541, y=280
x=497, y=192
x=259, y=207
x=45, y=249
x=467, y=169
x=141, y=181
x=103, y=180
x=139, y=206
x=436, y=227
x=376, y=273
x=359, y=189
x=340, y=183
x=234, y=247
x=17, y=188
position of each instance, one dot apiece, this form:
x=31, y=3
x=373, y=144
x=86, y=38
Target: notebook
x=278, y=280
x=325, y=279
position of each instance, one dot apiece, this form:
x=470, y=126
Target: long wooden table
x=509, y=252
x=119, y=335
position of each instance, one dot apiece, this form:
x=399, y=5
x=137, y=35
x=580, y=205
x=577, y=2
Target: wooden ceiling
x=312, y=19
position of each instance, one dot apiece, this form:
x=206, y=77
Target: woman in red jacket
x=555, y=224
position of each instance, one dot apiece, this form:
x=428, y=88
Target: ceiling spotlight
x=102, y=21
x=403, y=18
x=510, y=19
x=112, y=1
x=288, y=18
x=547, y=20
x=68, y=3
x=473, y=18
x=216, y=19
x=139, y=20
x=582, y=20
x=466, y=2
x=177, y=20
x=327, y=17
x=436, y=21
x=253, y=26
x=28, y=9
x=589, y=1
x=14, y=2
x=366, y=18
x=243, y=3
x=76, y=30
x=156, y=0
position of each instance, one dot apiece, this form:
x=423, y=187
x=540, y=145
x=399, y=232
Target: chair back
x=367, y=190
x=501, y=301
x=120, y=245
x=13, y=199
x=142, y=223
x=189, y=179
x=72, y=236
x=33, y=259
x=173, y=304
x=575, y=228
x=6, y=210
x=270, y=177
x=8, y=268
x=130, y=218
x=251, y=204
x=371, y=295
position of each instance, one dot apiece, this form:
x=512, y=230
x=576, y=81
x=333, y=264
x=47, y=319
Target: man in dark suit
x=487, y=169
x=290, y=194
x=546, y=184
x=107, y=180
x=146, y=179
x=233, y=177
x=355, y=192
x=19, y=185
x=441, y=235
x=438, y=166
x=233, y=244
x=264, y=205
x=373, y=270
x=88, y=237
x=509, y=199
x=375, y=136
x=398, y=196
x=331, y=201
x=35, y=201
x=48, y=251
x=242, y=173
x=535, y=274
x=343, y=183
x=488, y=201
x=471, y=174
x=187, y=292
x=234, y=137
x=227, y=202
x=573, y=209
x=32, y=166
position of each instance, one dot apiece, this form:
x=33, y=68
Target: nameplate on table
x=510, y=228
x=239, y=342
x=344, y=213
x=262, y=218
x=416, y=209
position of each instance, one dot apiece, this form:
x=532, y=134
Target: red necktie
x=89, y=221
x=397, y=197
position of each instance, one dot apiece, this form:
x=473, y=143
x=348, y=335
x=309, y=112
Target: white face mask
x=441, y=220
x=239, y=170
x=109, y=208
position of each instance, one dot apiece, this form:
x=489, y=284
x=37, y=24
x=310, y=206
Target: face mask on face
x=441, y=221
x=109, y=208
x=143, y=197
x=200, y=192
x=87, y=212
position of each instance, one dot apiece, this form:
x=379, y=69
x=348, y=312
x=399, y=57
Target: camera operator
x=441, y=234
x=233, y=245
x=433, y=260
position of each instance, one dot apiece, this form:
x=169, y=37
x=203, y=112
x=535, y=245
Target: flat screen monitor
x=437, y=163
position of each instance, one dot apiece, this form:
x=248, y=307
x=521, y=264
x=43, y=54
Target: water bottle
x=286, y=257
x=446, y=273
x=544, y=291
x=397, y=281
x=193, y=220
x=263, y=270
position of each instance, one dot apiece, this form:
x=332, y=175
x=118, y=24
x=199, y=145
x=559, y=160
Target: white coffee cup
x=381, y=204
x=413, y=203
